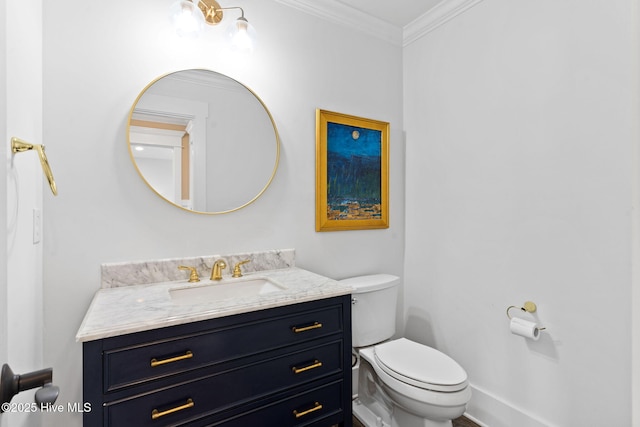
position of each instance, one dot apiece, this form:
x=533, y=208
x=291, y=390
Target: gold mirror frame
x=226, y=185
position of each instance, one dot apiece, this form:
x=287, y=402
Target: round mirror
x=203, y=141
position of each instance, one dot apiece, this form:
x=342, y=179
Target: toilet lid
x=420, y=366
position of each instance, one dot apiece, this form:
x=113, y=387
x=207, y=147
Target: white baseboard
x=488, y=410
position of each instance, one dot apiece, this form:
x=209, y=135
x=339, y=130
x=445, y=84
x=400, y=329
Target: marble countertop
x=123, y=310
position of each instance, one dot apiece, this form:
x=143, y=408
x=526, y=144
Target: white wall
x=519, y=125
x=93, y=71
x=23, y=180
x=635, y=189
x=4, y=167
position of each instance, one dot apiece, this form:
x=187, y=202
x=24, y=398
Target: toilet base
x=400, y=418
x=366, y=415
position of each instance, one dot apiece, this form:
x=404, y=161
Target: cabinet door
x=319, y=407
x=218, y=392
x=129, y=365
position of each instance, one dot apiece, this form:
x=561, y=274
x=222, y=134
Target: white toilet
x=398, y=383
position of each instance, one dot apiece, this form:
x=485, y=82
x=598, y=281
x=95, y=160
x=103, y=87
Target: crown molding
x=339, y=13
x=438, y=15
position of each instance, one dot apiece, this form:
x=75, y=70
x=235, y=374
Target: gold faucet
x=216, y=271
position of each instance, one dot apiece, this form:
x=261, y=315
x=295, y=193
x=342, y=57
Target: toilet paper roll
x=525, y=328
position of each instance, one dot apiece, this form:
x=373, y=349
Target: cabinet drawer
x=319, y=407
x=195, y=399
x=136, y=364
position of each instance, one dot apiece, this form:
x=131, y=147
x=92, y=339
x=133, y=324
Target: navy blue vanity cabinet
x=279, y=367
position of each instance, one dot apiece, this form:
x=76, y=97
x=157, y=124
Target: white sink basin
x=231, y=288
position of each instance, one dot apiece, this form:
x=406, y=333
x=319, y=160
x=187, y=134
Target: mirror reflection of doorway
x=161, y=147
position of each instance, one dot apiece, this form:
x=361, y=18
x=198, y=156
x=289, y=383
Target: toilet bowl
x=401, y=383
x=427, y=386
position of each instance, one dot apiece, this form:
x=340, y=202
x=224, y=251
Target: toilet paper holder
x=529, y=307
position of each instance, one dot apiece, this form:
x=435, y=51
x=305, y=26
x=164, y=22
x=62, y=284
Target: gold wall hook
x=19, y=146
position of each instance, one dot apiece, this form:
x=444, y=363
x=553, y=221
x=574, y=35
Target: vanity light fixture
x=189, y=17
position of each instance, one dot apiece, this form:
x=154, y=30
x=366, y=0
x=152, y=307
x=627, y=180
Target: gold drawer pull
x=155, y=362
x=316, y=407
x=155, y=414
x=316, y=325
x=316, y=364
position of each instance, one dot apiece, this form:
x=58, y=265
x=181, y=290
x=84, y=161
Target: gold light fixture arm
x=213, y=12
x=18, y=146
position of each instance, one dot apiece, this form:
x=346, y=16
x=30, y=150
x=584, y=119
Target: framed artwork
x=352, y=172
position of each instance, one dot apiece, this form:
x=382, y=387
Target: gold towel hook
x=18, y=146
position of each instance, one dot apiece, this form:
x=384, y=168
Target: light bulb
x=242, y=35
x=187, y=18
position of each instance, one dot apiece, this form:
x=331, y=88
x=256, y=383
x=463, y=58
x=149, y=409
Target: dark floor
x=458, y=422
x=464, y=422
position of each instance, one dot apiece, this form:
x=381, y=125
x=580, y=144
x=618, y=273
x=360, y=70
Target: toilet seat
x=420, y=366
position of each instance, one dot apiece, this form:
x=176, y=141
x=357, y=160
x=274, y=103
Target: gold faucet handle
x=237, y=271
x=193, y=277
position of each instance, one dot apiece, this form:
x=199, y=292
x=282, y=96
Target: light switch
x=37, y=226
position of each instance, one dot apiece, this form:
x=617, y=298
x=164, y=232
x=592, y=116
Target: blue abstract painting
x=354, y=167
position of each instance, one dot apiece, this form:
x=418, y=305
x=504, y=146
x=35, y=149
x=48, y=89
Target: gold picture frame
x=352, y=172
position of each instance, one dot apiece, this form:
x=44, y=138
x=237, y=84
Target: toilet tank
x=373, y=314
